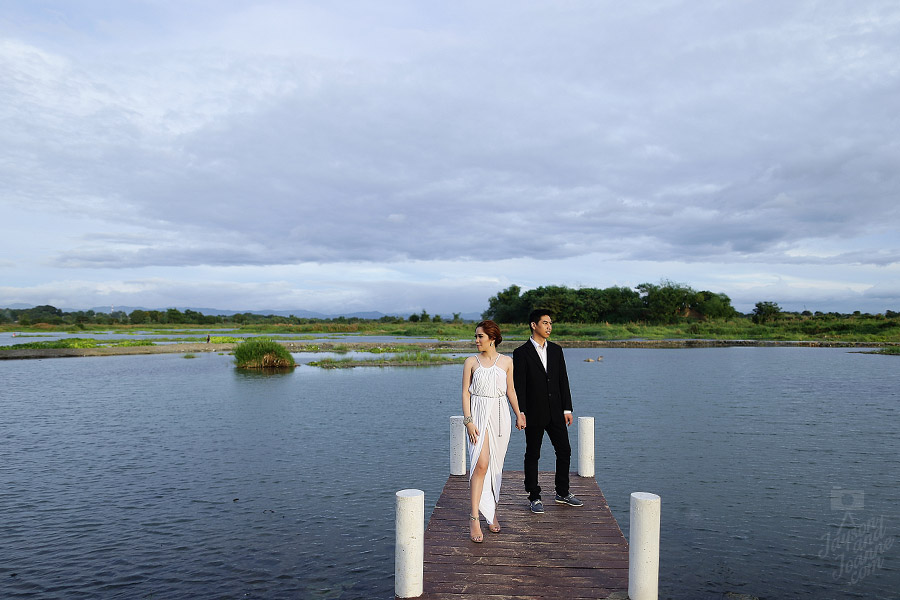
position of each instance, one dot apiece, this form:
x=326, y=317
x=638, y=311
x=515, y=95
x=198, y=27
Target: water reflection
x=264, y=372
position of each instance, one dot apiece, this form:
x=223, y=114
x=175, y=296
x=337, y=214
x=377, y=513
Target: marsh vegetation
x=262, y=353
x=404, y=359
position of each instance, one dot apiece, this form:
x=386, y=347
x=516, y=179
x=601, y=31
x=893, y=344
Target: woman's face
x=482, y=341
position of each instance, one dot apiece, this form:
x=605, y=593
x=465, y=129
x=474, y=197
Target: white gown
x=490, y=414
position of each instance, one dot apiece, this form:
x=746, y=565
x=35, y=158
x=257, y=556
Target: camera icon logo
x=847, y=500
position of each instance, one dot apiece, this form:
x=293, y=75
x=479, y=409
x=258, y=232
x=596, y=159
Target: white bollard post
x=457, y=446
x=643, y=547
x=409, y=553
x=586, y=446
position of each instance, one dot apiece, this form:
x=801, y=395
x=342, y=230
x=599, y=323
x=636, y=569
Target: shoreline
x=466, y=346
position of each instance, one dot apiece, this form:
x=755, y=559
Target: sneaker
x=571, y=500
x=537, y=507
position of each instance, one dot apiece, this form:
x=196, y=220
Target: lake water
x=163, y=477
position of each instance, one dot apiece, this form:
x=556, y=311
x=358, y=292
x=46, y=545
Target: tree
x=667, y=301
x=765, y=311
x=138, y=317
x=623, y=305
x=45, y=314
x=507, y=307
x=713, y=306
x=413, y=318
x=562, y=301
x=173, y=315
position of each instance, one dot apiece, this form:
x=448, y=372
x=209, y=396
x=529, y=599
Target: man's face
x=543, y=327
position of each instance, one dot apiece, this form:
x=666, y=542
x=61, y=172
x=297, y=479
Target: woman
x=487, y=380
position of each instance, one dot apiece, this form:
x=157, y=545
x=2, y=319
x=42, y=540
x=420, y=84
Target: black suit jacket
x=543, y=395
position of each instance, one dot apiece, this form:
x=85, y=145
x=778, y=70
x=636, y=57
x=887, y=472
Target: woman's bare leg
x=477, y=485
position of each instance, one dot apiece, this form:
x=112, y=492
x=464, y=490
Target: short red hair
x=491, y=330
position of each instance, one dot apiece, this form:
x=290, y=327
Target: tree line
x=662, y=303
x=171, y=316
x=666, y=302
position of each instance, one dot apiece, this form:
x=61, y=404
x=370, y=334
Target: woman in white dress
x=487, y=385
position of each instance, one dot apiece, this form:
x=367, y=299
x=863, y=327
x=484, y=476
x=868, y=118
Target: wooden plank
x=567, y=552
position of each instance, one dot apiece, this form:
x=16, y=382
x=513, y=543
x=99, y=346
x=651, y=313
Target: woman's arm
x=467, y=400
x=511, y=395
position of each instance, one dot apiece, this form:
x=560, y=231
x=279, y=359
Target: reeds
x=262, y=353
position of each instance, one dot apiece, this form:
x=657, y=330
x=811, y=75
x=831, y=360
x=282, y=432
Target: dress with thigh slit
x=490, y=414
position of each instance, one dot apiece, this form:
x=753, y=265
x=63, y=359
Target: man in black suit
x=542, y=384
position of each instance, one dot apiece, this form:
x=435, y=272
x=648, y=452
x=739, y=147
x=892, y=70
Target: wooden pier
x=567, y=552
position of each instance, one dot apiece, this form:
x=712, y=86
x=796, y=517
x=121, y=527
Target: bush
x=262, y=353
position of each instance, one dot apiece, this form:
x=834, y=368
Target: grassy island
x=262, y=353
x=406, y=359
x=891, y=350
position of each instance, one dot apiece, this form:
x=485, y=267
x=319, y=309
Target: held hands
x=473, y=433
x=520, y=421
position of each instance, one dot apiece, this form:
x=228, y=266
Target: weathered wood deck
x=567, y=552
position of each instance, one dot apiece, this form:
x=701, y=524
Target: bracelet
x=466, y=421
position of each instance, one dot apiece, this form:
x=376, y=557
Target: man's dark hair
x=537, y=313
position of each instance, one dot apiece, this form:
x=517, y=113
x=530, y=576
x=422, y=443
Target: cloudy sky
x=400, y=155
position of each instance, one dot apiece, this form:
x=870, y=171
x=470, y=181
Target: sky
x=401, y=155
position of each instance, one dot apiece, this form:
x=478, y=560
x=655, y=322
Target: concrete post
x=409, y=553
x=643, y=547
x=457, y=446
x=586, y=446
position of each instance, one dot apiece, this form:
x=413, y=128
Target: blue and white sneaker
x=537, y=507
x=571, y=500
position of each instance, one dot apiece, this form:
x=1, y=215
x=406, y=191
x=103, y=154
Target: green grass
x=69, y=343
x=126, y=343
x=892, y=350
x=262, y=353
x=402, y=348
x=789, y=327
x=79, y=343
x=421, y=357
x=404, y=359
x=333, y=363
x=851, y=329
x=189, y=355
x=223, y=339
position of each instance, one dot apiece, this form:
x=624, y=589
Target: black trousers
x=559, y=437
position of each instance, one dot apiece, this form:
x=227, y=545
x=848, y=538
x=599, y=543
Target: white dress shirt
x=542, y=352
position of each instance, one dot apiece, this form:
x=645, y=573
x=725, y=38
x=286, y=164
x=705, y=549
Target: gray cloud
x=733, y=134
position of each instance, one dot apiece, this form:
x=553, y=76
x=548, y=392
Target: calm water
x=162, y=477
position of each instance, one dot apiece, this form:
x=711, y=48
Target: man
x=542, y=384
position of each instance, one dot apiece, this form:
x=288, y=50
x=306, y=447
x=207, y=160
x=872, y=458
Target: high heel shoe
x=477, y=539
